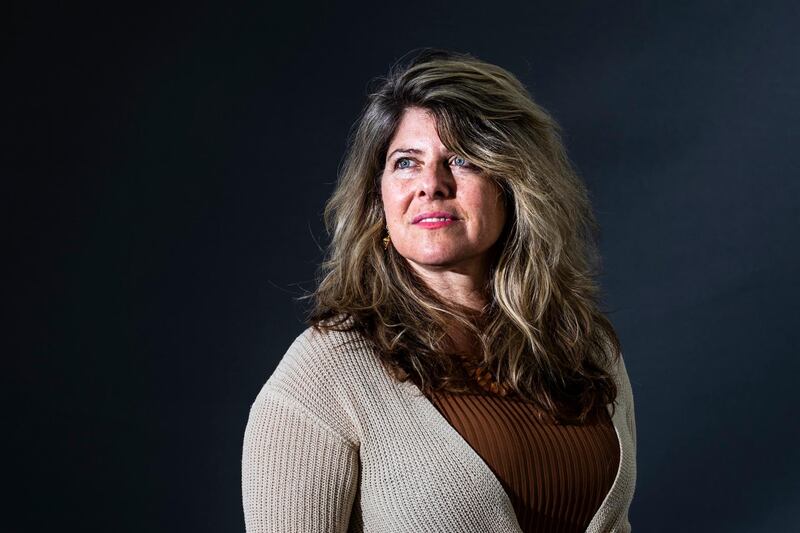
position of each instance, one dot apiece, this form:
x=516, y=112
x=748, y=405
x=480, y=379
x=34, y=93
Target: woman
x=457, y=374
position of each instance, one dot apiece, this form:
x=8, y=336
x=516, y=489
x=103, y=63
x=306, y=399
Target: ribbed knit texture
x=555, y=475
x=335, y=444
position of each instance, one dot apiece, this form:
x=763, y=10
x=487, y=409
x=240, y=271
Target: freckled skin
x=438, y=180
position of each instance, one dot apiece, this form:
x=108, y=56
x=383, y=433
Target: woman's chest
x=417, y=473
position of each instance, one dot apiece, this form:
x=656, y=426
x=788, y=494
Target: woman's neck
x=463, y=285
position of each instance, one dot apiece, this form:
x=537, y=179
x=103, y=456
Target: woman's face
x=422, y=183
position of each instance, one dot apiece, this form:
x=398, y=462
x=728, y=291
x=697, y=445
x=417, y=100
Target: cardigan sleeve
x=629, y=403
x=300, y=457
x=298, y=475
x=626, y=391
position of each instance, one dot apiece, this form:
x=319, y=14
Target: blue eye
x=464, y=163
x=398, y=165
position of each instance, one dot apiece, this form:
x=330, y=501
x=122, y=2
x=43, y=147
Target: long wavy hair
x=542, y=336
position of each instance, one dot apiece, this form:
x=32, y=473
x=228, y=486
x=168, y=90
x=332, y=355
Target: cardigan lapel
x=597, y=524
x=499, y=494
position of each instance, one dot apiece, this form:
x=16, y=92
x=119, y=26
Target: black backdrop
x=164, y=173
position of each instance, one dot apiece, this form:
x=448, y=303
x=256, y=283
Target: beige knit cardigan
x=334, y=444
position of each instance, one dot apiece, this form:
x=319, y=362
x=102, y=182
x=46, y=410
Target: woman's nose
x=436, y=181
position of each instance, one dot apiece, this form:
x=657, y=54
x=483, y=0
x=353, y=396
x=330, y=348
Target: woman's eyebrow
x=405, y=151
x=413, y=151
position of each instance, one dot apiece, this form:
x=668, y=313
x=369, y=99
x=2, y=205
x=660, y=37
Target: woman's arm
x=297, y=474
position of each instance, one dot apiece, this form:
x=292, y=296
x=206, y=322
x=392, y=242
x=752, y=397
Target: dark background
x=164, y=174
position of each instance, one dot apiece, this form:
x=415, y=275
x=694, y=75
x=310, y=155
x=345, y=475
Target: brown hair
x=541, y=336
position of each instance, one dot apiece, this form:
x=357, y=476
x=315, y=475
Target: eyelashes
x=399, y=166
x=400, y=160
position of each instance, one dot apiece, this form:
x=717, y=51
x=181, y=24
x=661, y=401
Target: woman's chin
x=442, y=261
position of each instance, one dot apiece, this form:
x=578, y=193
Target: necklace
x=481, y=376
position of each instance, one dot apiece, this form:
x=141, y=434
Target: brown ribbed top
x=556, y=476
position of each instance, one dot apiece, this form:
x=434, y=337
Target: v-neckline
x=436, y=418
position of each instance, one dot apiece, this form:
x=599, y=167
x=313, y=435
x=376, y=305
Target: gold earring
x=386, y=240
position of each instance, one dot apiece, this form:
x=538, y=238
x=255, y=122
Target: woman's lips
x=434, y=219
x=435, y=223
x=434, y=215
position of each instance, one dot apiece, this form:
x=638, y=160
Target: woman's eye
x=400, y=163
x=404, y=163
x=461, y=162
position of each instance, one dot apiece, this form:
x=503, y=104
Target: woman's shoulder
x=327, y=347
x=620, y=374
x=321, y=373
